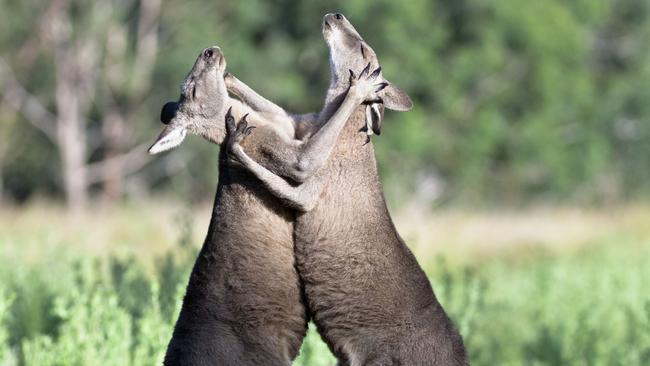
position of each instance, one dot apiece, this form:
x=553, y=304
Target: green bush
x=6, y=354
x=587, y=308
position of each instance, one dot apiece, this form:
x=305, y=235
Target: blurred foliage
x=589, y=307
x=513, y=102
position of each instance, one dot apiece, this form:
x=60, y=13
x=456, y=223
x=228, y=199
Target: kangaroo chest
x=350, y=200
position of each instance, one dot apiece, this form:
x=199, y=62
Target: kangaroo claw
x=241, y=127
x=365, y=71
x=367, y=140
x=243, y=123
x=375, y=73
x=248, y=130
x=230, y=122
x=242, y=130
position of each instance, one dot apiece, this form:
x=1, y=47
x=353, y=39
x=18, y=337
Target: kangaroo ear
x=395, y=98
x=374, y=117
x=169, y=138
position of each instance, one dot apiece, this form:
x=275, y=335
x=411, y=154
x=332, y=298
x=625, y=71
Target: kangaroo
x=369, y=298
x=243, y=303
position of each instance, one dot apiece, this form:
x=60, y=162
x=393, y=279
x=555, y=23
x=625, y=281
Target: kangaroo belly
x=243, y=301
x=350, y=261
x=366, y=292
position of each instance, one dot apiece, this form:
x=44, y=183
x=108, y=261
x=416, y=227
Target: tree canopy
x=514, y=102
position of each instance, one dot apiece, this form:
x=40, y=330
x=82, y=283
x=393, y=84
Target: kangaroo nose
x=168, y=112
x=211, y=52
x=338, y=16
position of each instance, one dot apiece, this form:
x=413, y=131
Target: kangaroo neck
x=333, y=99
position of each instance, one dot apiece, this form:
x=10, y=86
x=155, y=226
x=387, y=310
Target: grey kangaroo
x=243, y=303
x=369, y=298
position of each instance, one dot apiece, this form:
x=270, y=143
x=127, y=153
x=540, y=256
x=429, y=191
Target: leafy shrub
x=587, y=308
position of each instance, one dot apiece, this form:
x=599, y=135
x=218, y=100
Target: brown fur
x=242, y=305
x=367, y=294
x=243, y=302
x=370, y=299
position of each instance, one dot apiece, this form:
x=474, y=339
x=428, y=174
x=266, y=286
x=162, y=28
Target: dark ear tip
x=168, y=112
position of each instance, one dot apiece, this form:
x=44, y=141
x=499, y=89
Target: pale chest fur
x=351, y=195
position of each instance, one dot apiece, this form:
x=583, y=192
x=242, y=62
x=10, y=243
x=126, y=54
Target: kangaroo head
x=202, y=103
x=348, y=51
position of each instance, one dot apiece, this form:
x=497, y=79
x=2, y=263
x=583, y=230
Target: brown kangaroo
x=243, y=302
x=369, y=298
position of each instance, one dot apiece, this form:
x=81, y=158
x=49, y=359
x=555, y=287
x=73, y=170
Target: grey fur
x=243, y=303
x=370, y=299
x=301, y=164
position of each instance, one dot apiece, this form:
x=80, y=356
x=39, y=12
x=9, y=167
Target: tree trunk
x=117, y=74
x=71, y=135
x=78, y=64
x=113, y=133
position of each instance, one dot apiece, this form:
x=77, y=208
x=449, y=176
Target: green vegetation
x=584, y=304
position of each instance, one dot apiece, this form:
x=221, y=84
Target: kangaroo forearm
x=281, y=158
x=302, y=197
x=316, y=150
x=300, y=162
x=250, y=97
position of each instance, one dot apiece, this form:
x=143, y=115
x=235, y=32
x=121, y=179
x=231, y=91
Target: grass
x=535, y=287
